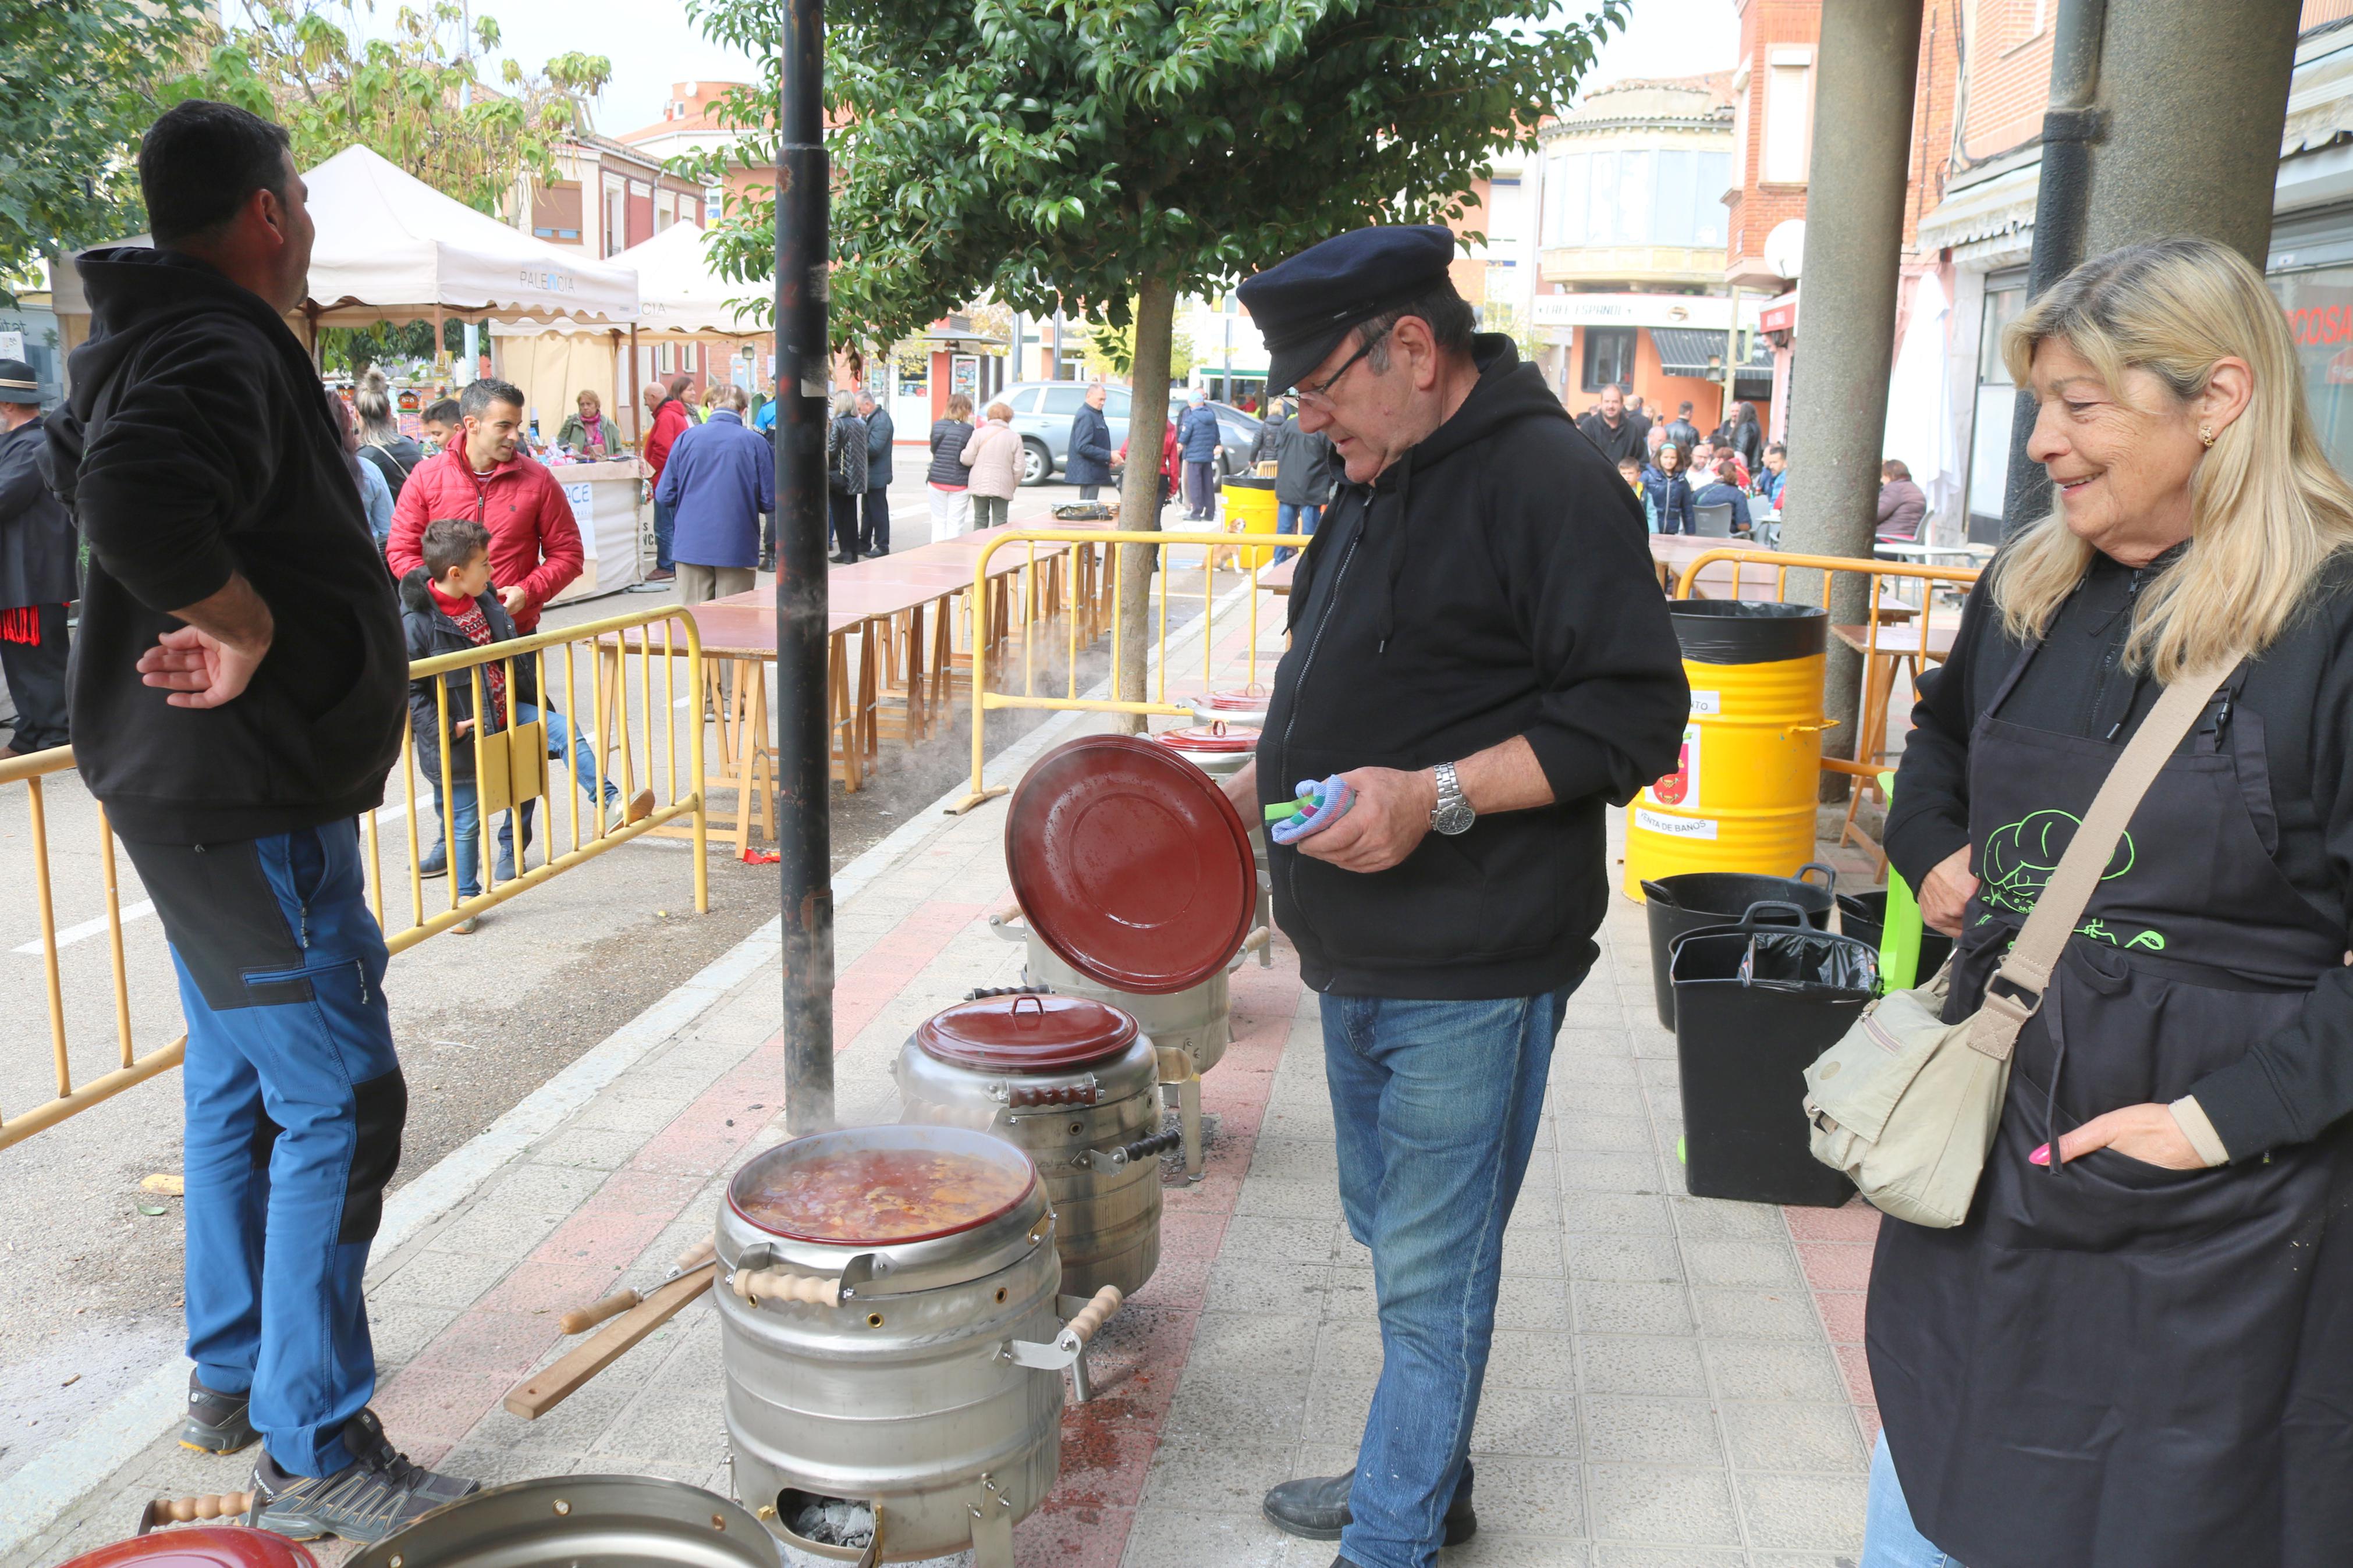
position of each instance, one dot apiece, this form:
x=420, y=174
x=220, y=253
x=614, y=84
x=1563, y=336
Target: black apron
x=2111, y=1364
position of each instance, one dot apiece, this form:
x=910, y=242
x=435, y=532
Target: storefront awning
x=1685, y=351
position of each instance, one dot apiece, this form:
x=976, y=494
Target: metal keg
x=889, y=1339
x=1236, y=705
x=565, y=1521
x=1073, y=1083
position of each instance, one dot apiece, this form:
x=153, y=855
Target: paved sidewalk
x=1677, y=1383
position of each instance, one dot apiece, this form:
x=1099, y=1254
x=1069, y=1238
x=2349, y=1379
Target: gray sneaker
x=217, y=1423
x=379, y=1492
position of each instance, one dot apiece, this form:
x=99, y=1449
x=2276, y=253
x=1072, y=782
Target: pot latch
x=1069, y=1347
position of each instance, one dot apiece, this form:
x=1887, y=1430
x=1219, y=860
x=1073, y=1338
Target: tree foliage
x=1056, y=152
x=1110, y=350
x=416, y=97
x=78, y=85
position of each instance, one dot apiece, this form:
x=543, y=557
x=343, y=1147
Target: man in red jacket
x=669, y=423
x=534, y=544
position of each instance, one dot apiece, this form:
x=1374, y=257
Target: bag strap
x=2015, y=991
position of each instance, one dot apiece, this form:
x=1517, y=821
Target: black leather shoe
x=217, y=1423
x=1317, y=1508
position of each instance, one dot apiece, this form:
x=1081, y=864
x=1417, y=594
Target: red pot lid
x=200, y=1546
x=1215, y=739
x=1236, y=699
x=1130, y=864
x=1026, y=1034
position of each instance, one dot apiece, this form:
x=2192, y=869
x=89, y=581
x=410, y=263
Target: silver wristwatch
x=1452, y=814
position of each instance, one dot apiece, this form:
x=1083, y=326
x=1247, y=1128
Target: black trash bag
x=1809, y=964
x=1680, y=904
x=1747, y=631
x=1754, y=1006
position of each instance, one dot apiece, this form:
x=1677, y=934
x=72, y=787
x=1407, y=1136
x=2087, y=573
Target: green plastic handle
x=1283, y=809
x=1899, y=939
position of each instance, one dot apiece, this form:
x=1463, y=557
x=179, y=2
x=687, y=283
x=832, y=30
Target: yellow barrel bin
x=1746, y=784
x=1250, y=509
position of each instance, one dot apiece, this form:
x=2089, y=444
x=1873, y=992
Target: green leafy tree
x=416, y=97
x=1116, y=154
x=1110, y=350
x=79, y=81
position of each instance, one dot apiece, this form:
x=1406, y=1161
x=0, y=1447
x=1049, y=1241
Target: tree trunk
x=1139, y=490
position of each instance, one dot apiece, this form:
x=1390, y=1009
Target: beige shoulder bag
x=1906, y=1104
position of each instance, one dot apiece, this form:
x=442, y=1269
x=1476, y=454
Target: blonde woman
x=946, y=479
x=994, y=455
x=2138, y=1349
x=586, y=431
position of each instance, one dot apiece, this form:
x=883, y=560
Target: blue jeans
x=1889, y=1538
x=1292, y=518
x=665, y=524
x=295, y=1104
x=1436, y=1107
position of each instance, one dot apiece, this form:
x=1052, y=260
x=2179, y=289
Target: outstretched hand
x=199, y=669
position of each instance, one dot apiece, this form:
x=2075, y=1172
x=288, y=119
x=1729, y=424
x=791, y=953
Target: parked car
x=1042, y=411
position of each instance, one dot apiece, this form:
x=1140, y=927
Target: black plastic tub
x=1695, y=898
x=1864, y=916
x=1754, y=1006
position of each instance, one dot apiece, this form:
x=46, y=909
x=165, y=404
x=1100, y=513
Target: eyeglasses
x=1320, y=392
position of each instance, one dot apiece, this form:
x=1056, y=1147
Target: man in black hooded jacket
x=1480, y=650
x=236, y=699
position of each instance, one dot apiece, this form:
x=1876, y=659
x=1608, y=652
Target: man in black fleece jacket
x=236, y=699
x=1479, y=648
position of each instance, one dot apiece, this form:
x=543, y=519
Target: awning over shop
x=1685, y=352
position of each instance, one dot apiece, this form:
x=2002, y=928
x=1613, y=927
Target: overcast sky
x=652, y=44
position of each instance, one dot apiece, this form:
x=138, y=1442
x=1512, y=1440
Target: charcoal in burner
x=834, y=1521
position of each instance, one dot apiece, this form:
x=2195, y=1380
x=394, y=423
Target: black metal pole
x=804, y=763
x=2070, y=126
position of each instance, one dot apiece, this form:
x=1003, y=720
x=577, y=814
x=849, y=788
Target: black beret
x=1304, y=306
x=17, y=383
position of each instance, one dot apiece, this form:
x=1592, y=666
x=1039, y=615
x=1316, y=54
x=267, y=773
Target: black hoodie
x=197, y=443
x=1495, y=581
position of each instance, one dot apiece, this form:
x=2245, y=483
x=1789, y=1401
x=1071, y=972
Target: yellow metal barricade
x=582, y=672
x=1100, y=614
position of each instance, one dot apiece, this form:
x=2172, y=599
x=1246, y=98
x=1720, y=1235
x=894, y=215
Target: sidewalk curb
x=41, y=1490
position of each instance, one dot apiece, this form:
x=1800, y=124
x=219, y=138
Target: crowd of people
x=1733, y=473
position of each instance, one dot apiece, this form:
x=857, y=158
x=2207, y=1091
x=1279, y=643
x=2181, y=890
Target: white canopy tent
x=391, y=247
x=679, y=297
x=1919, y=430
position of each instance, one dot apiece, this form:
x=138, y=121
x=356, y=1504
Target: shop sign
x=1705, y=311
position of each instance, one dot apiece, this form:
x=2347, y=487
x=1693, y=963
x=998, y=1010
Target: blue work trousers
x=295, y=1104
x=1436, y=1106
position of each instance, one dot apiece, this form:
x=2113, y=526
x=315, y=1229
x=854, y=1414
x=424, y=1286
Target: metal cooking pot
x=907, y=1360
x=568, y=1522
x=1238, y=705
x=1217, y=748
x=1072, y=1083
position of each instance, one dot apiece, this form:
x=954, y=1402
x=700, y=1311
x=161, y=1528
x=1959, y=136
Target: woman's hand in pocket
x=1945, y=892
x=2145, y=1132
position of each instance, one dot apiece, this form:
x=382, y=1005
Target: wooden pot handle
x=188, y=1510
x=580, y=1320
x=1092, y=1316
x=701, y=1253
x=776, y=1285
